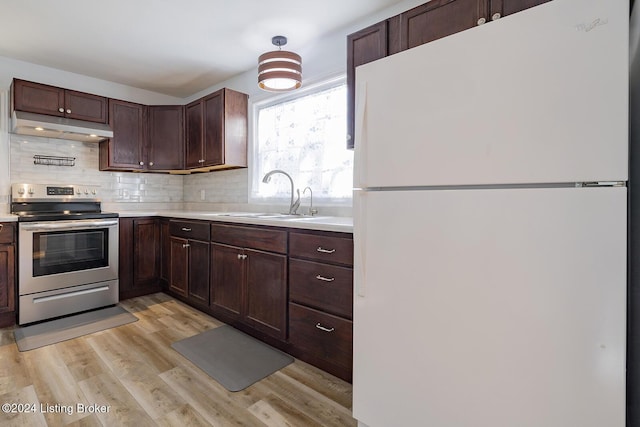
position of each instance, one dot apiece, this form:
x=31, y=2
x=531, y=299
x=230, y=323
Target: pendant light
x=279, y=70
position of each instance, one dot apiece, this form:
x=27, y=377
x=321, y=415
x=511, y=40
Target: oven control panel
x=52, y=192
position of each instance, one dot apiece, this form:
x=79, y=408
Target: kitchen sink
x=307, y=218
x=253, y=215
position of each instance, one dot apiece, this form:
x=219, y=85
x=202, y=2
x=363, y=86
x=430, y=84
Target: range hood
x=23, y=123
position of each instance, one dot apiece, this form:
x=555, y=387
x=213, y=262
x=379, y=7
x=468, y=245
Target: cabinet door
x=178, y=273
x=7, y=278
x=38, y=98
x=125, y=257
x=125, y=149
x=500, y=8
x=437, y=19
x=365, y=46
x=266, y=292
x=146, y=252
x=213, y=143
x=85, y=106
x=166, y=137
x=165, y=246
x=199, y=271
x=193, y=152
x=227, y=276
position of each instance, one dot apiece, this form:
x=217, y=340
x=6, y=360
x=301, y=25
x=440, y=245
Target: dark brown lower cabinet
x=249, y=284
x=322, y=339
x=226, y=280
x=266, y=292
x=179, y=273
x=189, y=261
x=7, y=275
x=139, y=256
x=199, y=271
x=165, y=251
x=189, y=268
x=321, y=300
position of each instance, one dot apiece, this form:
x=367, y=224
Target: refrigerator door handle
x=360, y=244
x=359, y=178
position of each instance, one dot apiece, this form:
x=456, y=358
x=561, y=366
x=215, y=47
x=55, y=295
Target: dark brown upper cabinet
x=216, y=131
x=126, y=150
x=435, y=20
x=422, y=24
x=500, y=8
x=165, y=147
x=365, y=46
x=54, y=101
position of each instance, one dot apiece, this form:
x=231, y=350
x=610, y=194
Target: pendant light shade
x=279, y=70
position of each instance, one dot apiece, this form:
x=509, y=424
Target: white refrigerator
x=490, y=225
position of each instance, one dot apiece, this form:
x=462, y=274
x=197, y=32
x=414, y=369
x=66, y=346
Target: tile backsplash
x=130, y=191
x=118, y=190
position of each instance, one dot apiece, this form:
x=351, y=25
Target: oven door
x=59, y=254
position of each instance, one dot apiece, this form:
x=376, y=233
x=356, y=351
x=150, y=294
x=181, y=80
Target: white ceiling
x=174, y=47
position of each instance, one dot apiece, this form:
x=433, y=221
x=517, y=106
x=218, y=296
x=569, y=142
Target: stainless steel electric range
x=67, y=251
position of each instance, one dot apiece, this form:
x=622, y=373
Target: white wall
x=322, y=60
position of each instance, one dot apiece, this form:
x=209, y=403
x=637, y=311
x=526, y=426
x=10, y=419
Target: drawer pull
x=185, y=245
x=325, y=251
x=186, y=229
x=325, y=279
x=242, y=256
x=322, y=328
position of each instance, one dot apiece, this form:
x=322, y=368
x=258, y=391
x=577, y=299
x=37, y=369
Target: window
x=305, y=137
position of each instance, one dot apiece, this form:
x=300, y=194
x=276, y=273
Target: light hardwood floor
x=144, y=382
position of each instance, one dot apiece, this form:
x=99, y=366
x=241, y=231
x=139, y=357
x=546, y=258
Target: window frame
x=320, y=86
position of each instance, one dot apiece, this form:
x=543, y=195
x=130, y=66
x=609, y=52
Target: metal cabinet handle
x=68, y=111
x=242, y=256
x=141, y=163
x=186, y=229
x=481, y=21
x=185, y=245
x=1, y=227
x=322, y=328
x=325, y=251
x=496, y=16
x=325, y=279
x=150, y=163
x=201, y=161
x=61, y=109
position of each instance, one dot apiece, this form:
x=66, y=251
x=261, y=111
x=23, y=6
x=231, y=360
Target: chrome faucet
x=311, y=210
x=293, y=207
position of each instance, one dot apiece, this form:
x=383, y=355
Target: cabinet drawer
x=325, y=287
x=7, y=232
x=333, y=249
x=249, y=237
x=322, y=335
x=190, y=230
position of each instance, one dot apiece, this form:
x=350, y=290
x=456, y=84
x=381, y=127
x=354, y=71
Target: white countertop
x=324, y=223
x=8, y=217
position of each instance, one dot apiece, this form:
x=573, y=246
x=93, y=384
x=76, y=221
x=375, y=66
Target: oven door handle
x=68, y=225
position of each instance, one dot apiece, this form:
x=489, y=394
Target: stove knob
x=30, y=190
x=86, y=191
x=20, y=190
x=94, y=192
x=78, y=191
